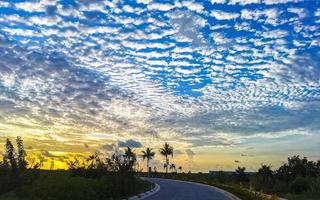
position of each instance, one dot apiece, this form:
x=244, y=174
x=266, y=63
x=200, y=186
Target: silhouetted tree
x=9, y=156
x=173, y=167
x=265, y=175
x=241, y=175
x=148, y=155
x=21, y=154
x=166, y=151
x=94, y=161
x=283, y=173
x=130, y=159
x=180, y=169
x=297, y=167
x=129, y=155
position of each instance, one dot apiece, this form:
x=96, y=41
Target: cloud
x=93, y=72
x=144, y=1
x=160, y=6
x=218, y=1
x=243, y=2
x=221, y=15
x=246, y=155
x=187, y=26
x=130, y=143
x=189, y=153
x=177, y=152
x=109, y=147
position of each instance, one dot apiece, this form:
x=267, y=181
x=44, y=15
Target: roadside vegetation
x=115, y=177
x=298, y=179
x=94, y=178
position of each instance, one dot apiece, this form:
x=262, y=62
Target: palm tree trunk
x=167, y=164
x=148, y=167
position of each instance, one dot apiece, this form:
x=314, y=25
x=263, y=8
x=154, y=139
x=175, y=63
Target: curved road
x=181, y=190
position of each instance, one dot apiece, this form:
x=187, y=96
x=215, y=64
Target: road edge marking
x=146, y=194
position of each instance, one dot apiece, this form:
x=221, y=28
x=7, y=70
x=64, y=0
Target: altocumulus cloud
x=130, y=143
x=109, y=71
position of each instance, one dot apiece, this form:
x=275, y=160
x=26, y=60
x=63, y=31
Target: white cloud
x=21, y=32
x=192, y=6
x=221, y=15
x=47, y=21
x=4, y=4
x=39, y=6
x=144, y=1
x=271, y=15
x=271, y=2
x=275, y=34
x=128, y=8
x=317, y=13
x=157, y=62
x=243, y=2
x=218, y=1
x=160, y=6
x=301, y=12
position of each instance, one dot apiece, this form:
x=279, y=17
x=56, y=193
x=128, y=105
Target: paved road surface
x=180, y=190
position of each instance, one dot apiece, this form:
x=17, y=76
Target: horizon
x=227, y=83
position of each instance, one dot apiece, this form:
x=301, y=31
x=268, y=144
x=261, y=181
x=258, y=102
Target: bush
x=300, y=185
x=59, y=187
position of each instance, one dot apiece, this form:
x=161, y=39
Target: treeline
x=14, y=167
x=298, y=178
x=298, y=175
x=92, y=178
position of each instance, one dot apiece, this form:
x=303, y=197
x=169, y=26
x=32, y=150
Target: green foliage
x=9, y=159
x=241, y=175
x=21, y=154
x=300, y=184
x=59, y=187
x=93, y=178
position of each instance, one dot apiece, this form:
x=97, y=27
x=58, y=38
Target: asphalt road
x=181, y=190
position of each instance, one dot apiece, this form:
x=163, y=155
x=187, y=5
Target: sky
x=226, y=82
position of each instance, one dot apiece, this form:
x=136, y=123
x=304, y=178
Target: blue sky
x=199, y=74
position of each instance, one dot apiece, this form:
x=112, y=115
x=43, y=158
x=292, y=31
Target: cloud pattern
x=207, y=73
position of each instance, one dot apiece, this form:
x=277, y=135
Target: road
x=181, y=190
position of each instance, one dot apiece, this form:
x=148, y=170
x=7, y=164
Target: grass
x=60, y=185
x=306, y=196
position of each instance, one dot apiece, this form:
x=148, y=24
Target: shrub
x=59, y=187
x=300, y=185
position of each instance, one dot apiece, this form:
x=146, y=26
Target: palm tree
x=180, y=168
x=129, y=155
x=148, y=154
x=166, y=151
x=172, y=167
x=92, y=161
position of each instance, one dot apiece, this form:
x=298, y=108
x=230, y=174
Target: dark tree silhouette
x=166, y=151
x=9, y=156
x=21, y=154
x=241, y=174
x=173, y=167
x=130, y=155
x=148, y=155
x=265, y=175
